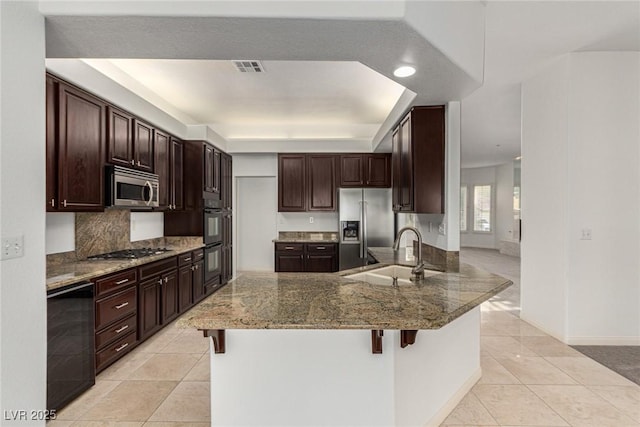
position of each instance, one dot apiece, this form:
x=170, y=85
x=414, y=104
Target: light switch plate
x=12, y=247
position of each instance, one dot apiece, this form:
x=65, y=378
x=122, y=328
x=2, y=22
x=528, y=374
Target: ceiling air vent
x=248, y=66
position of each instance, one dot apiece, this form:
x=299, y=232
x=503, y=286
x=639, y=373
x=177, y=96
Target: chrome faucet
x=417, y=272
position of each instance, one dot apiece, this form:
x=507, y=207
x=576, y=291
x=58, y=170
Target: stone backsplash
x=109, y=231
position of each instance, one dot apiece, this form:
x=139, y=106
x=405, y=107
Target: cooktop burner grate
x=130, y=253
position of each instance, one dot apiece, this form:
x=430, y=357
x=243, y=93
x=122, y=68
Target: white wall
x=22, y=172
x=580, y=170
x=504, y=203
x=300, y=221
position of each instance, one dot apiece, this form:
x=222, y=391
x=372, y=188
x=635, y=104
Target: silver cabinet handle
x=64, y=203
x=196, y=266
x=133, y=162
x=53, y=202
x=188, y=259
x=166, y=280
x=119, y=306
x=289, y=248
x=320, y=248
x=193, y=268
x=160, y=281
x=123, y=346
x=138, y=162
x=120, y=282
x=117, y=331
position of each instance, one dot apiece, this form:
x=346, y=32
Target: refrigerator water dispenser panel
x=350, y=231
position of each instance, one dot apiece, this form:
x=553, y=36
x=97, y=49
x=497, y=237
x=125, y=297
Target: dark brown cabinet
x=321, y=182
x=211, y=183
x=419, y=161
x=143, y=145
x=306, y=182
x=129, y=140
x=365, y=170
x=116, y=307
x=306, y=257
x=190, y=279
x=292, y=183
x=80, y=150
x=157, y=296
x=51, y=142
x=168, y=162
x=226, y=181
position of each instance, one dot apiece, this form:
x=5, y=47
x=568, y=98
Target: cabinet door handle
x=166, y=280
x=119, y=306
x=289, y=248
x=53, y=202
x=160, y=282
x=188, y=259
x=133, y=162
x=117, y=331
x=64, y=203
x=193, y=268
x=320, y=248
x=120, y=282
x=122, y=347
x=138, y=162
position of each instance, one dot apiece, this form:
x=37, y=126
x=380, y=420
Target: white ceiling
x=289, y=100
x=333, y=96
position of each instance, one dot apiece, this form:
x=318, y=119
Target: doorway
x=256, y=223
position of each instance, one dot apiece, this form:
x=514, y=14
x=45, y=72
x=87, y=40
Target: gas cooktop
x=130, y=253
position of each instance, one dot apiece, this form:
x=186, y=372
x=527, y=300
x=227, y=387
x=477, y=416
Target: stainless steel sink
x=385, y=275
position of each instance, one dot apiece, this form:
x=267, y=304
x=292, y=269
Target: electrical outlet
x=586, y=234
x=442, y=229
x=310, y=220
x=12, y=247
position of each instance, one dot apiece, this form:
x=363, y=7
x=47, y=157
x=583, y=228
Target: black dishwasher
x=70, y=343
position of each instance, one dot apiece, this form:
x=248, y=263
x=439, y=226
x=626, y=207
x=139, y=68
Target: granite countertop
x=259, y=300
x=306, y=237
x=72, y=272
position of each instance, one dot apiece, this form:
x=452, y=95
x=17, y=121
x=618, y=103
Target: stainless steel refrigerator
x=366, y=220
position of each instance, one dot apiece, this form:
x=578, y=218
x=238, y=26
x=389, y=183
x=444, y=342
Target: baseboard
x=603, y=340
x=523, y=317
x=451, y=404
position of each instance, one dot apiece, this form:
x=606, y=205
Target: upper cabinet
x=161, y=150
x=306, y=182
x=226, y=181
x=130, y=141
x=75, y=148
x=365, y=170
x=176, y=173
x=418, y=161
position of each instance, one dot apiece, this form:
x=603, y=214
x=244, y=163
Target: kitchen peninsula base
x=305, y=377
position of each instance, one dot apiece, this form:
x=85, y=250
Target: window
x=482, y=208
x=463, y=208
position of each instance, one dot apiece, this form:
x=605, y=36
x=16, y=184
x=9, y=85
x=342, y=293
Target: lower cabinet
x=116, y=308
x=158, y=290
x=306, y=257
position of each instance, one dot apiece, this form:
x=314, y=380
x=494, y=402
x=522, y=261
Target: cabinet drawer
x=116, y=307
x=116, y=331
x=299, y=247
x=155, y=268
x=321, y=247
x=114, y=351
x=185, y=259
x=198, y=255
x=115, y=282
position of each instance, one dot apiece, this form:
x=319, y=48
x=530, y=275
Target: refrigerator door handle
x=365, y=243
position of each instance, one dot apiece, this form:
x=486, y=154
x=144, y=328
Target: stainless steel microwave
x=129, y=188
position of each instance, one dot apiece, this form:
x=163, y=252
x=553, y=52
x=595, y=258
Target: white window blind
x=463, y=208
x=482, y=208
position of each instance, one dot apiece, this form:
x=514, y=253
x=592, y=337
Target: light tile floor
x=529, y=378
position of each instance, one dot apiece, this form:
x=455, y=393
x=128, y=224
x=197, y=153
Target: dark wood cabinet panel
x=419, y=161
x=321, y=187
x=292, y=183
x=306, y=257
x=365, y=170
x=377, y=170
x=169, y=297
x=395, y=169
x=161, y=162
x=177, y=174
x=226, y=181
x=197, y=281
x=81, y=150
x=185, y=288
x=209, y=180
x=143, y=145
x=52, y=143
x=119, y=137
x=352, y=170
x=149, y=307
x=216, y=171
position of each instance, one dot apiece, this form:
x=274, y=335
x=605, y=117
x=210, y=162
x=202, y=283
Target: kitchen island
x=325, y=349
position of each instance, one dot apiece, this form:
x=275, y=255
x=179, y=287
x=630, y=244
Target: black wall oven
x=212, y=263
x=212, y=227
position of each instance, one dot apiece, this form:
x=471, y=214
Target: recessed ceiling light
x=404, y=71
